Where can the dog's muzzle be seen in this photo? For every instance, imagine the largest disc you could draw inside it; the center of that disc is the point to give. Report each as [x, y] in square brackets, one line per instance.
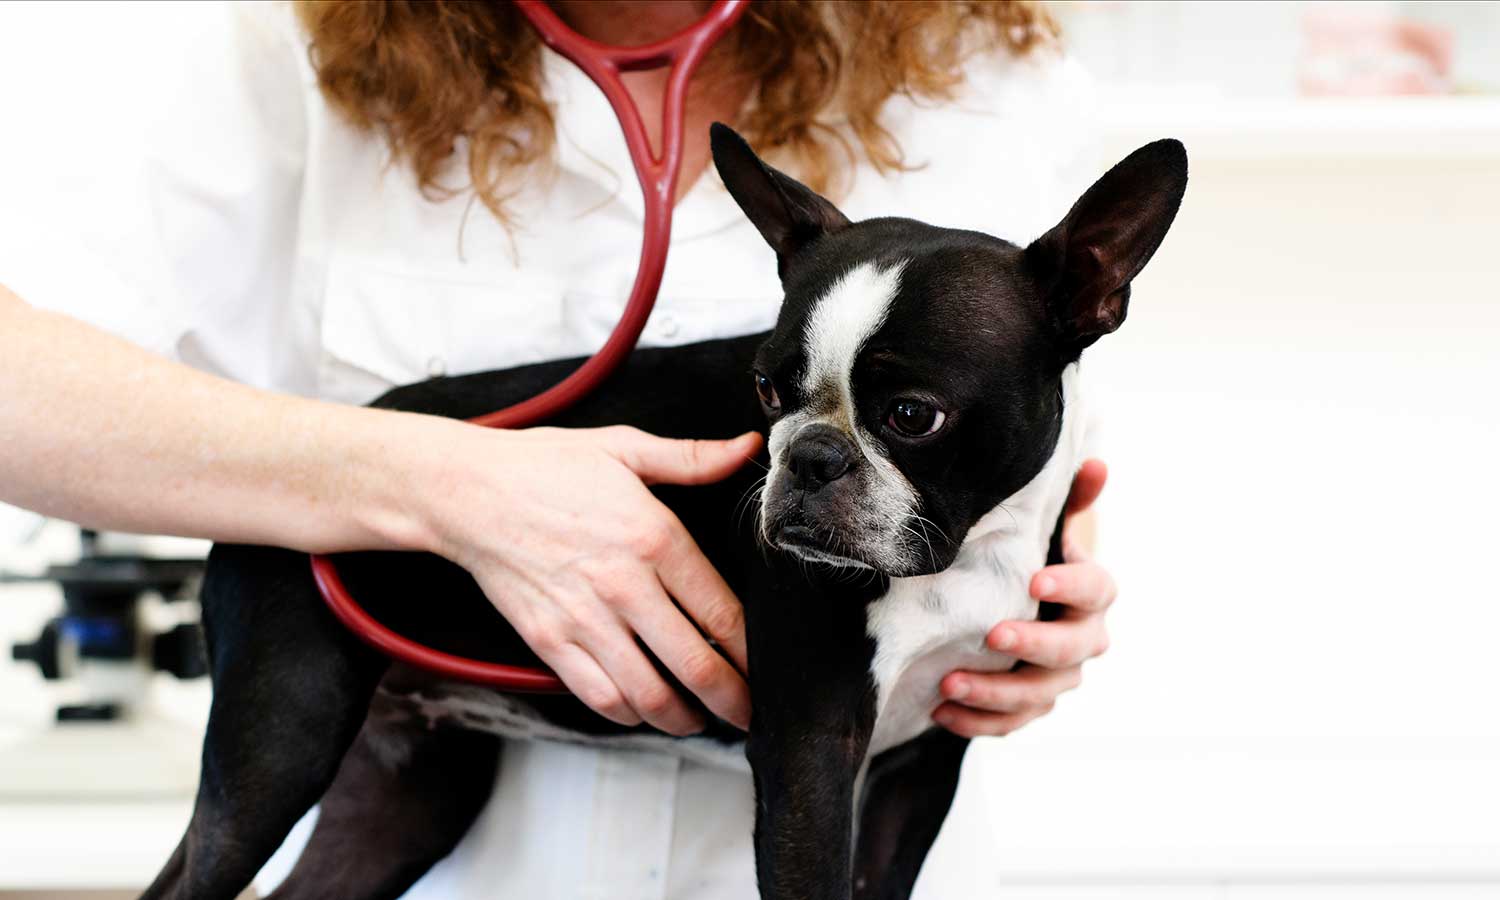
[816, 490]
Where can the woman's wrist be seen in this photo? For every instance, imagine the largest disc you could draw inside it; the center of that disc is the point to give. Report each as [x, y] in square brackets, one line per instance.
[405, 471]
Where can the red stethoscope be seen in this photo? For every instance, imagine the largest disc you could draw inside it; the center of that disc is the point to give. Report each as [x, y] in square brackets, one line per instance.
[603, 64]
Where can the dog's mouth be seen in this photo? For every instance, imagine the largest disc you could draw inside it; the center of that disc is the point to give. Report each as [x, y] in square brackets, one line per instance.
[803, 541]
[838, 525]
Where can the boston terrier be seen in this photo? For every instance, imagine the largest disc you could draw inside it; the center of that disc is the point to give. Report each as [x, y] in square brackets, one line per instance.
[921, 396]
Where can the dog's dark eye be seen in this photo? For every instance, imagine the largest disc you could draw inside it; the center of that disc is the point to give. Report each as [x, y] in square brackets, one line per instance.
[915, 418]
[767, 392]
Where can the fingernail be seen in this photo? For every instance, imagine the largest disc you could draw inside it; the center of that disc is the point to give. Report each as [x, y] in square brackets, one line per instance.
[943, 717]
[1043, 586]
[1005, 639]
[958, 690]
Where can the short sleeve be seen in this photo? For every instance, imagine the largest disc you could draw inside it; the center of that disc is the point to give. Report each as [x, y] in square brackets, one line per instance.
[223, 173]
[194, 255]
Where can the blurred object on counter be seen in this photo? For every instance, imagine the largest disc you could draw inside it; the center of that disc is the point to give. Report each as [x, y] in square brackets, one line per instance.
[1474, 29]
[102, 623]
[1370, 50]
[1233, 48]
[1284, 49]
[127, 614]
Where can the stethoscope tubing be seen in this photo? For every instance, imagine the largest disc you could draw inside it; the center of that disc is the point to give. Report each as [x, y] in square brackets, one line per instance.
[657, 174]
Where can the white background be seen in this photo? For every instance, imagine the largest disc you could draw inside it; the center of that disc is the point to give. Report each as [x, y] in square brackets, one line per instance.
[1302, 435]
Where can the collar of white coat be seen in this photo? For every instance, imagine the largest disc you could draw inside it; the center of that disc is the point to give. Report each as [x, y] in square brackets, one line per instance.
[591, 145]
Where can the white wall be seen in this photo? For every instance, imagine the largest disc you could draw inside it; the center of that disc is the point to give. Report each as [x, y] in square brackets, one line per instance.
[1302, 436]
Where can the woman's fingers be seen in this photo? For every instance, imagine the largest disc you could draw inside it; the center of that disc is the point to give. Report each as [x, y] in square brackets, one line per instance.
[591, 561]
[1024, 688]
[1084, 586]
[682, 649]
[634, 597]
[683, 569]
[647, 692]
[597, 624]
[972, 723]
[1053, 645]
[554, 632]
[1087, 485]
[701, 591]
[1051, 653]
[591, 649]
[588, 681]
[1081, 524]
[671, 461]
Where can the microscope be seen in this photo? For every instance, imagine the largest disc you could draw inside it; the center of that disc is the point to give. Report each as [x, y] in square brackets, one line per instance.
[127, 615]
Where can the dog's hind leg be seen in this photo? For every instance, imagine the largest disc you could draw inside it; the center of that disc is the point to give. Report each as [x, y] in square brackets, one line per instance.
[291, 689]
[907, 793]
[404, 796]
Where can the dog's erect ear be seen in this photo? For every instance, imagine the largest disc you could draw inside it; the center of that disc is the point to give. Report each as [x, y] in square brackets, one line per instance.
[788, 214]
[1087, 261]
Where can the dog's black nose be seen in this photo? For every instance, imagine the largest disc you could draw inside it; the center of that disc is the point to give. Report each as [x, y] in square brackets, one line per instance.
[818, 456]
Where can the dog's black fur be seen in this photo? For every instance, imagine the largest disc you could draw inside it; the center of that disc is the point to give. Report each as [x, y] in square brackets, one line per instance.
[989, 326]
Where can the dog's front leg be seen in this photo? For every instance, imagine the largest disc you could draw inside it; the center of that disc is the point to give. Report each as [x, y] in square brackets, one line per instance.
[813, 716]
[804, 787]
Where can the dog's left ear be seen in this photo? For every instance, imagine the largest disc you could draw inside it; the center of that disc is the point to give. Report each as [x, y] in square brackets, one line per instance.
[788, 214]
[1087, 261]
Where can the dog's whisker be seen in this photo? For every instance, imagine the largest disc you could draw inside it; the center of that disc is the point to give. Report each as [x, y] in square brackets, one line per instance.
[932, 558]
[926, 521]
[750, 497]
[1013, 520]
[922, 535]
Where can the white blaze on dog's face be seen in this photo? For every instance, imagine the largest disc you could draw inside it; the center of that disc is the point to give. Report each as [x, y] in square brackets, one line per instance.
[823, 441]
[913, 381]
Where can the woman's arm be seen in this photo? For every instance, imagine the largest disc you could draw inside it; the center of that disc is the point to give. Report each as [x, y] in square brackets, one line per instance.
[557, 525]
[103, 433]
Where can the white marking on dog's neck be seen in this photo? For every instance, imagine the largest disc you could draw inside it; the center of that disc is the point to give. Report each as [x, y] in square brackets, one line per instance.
[930, 625]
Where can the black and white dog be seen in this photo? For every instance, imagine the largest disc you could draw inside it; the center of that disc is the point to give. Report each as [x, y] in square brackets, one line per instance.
[925, 420]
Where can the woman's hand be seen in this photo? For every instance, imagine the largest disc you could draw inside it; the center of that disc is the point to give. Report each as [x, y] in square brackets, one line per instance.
[559, 529]
[1051, 653]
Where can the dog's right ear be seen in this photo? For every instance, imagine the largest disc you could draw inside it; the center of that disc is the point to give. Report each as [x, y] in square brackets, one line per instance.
[788, 214]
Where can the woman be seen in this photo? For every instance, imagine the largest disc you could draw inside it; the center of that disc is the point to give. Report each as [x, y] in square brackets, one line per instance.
[316, 222]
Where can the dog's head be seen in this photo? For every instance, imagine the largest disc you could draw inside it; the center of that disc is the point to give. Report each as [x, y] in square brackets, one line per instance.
[913, 380]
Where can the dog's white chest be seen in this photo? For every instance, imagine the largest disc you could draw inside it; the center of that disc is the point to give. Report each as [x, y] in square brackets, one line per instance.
[926, 627]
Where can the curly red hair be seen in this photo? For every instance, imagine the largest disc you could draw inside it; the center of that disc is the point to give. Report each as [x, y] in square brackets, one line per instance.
[427, 72]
